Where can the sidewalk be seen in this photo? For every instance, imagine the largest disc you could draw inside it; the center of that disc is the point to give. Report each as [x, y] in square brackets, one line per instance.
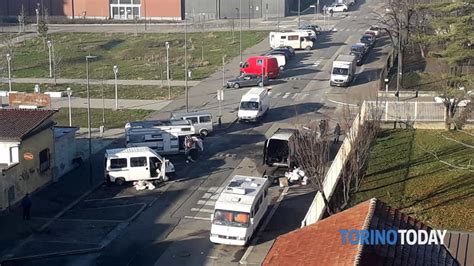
[54, 198]
[128, 82]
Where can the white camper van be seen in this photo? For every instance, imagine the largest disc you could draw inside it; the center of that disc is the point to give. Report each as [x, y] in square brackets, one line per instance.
[297, 40]
[343, 70]
[239, 209]
[254, 104]
[163, 136]
[132, 164]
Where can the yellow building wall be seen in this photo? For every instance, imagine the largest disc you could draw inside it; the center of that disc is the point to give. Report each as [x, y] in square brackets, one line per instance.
[25, 177]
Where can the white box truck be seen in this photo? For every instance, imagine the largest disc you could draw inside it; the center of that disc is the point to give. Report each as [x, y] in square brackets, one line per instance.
[133, 164]
[253, 105]
[239, 209]
[297, 40]
[343, 70]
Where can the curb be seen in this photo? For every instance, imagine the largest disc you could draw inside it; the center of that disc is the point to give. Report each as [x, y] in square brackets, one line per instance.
[65, 253]
[42, 228]
[342, 103]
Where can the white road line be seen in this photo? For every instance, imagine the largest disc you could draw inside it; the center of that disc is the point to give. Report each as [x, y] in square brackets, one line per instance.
[212, 189]
[348, 29]
[206, 195]
[198, 218]
[206, 202]
[302, 96]
[270, 93]
[243, 260]
[276, 95]
[286, 95]
[215, 197]
[202, 210]
[294, 96]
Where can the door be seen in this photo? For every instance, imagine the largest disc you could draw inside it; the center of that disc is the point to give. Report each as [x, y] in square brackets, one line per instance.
[265, 152]
[155, 166]
[139, 169]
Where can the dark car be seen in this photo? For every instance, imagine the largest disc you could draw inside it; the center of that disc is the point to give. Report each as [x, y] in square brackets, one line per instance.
[246, 80]
[279, 52]
[358, 50]
[313, 27]
[288, 48]
[368, 39]
[287, 52]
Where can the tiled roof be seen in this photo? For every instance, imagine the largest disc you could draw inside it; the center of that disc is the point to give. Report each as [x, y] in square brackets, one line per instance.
[15, 124]
[321, 243]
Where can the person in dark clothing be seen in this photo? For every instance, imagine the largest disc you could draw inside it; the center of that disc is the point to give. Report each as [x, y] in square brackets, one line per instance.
[26, 204]
[337, 133]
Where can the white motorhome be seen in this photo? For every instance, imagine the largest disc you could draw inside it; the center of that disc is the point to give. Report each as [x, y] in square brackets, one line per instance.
[132, 164]
[163, 136]
[311, 33]
[254, 104]
[277, 149]
[239, 209]
[297, 40]
[343, 70]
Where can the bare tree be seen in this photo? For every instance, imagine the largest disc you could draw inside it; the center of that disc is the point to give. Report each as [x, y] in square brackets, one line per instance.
[457, 97]
[57, 64]
[311, 153]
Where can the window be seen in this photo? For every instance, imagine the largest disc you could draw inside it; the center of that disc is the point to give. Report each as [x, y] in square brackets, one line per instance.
[259, 62]
[193, 119]
[44, 160]
[231, 218]
[137, 161]
[14, 157]
[136, 2]
[293, 38]
[283, 37]
[186, 129]
[249, 105]
[205, 119]
[114, 1]
[118, 163]
[125, 1]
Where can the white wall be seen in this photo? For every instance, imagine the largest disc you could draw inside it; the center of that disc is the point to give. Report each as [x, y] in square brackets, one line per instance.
[65, 151]
[9, 154]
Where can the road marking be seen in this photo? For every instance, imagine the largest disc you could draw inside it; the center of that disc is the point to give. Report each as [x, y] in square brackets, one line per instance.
[198, 218]
[207, 202]
[202, 210]
[243, 260]
[212, 189]
[348, 29]
[215, 197]
[302, 96]
[294, 96]
[276, 95]
[206, 195]
[286, 95]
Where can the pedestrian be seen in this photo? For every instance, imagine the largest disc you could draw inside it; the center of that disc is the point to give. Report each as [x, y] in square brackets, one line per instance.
[189, 145]
[331, 12]
[323, 127]
[26, 204]
[337, 133]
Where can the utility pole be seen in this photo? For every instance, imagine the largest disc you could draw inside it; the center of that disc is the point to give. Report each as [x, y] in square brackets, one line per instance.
[299, 15]
[240, 18]
[278, 15]
[249, 13]
[186, 62]
[400, 59]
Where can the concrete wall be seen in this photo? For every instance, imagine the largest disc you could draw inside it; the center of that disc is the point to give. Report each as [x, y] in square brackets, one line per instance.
[25, 177]
[64, 151]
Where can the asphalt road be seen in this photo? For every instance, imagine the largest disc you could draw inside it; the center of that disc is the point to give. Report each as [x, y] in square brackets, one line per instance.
[300, 96]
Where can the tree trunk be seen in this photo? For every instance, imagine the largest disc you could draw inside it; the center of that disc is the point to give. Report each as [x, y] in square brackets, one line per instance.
[326, 202]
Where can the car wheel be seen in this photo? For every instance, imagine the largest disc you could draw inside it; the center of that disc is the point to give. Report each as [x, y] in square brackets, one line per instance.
[120, 181]
[308, 48]
[282, 68]
[236, 86]
[260, 84]
[204, 133]
[344, 10]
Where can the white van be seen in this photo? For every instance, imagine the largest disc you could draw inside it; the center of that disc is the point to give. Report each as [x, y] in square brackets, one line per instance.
[277, 149]
[297, 40]
[202, 121]
[239, 209]
[254, 104]
[280, 59]
[132, 164]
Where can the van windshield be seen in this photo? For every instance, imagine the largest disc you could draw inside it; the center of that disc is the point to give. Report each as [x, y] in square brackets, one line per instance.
[231, 218]
[340, 71]
[249, 106]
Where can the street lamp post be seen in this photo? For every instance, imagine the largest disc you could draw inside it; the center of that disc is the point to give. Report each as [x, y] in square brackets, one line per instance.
[167, 45]
[69, 93]
[240, 18]
[186, 62]
[223, 71]
[278, 15]
[9, 59]
[37, 19]
[89, 57]
[299, 13]
[50, 45]
[317, 10]
[314, 14]
[116, 87]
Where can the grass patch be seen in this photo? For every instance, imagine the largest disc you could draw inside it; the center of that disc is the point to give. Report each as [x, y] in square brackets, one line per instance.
[141, 56]
[124, 92]
[422, 81]
[406, 177]
[113, 119]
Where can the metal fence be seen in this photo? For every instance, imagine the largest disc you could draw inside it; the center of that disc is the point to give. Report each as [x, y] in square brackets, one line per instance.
[412, 111]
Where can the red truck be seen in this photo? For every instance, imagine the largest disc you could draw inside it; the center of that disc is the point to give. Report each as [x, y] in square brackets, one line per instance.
[253, 65]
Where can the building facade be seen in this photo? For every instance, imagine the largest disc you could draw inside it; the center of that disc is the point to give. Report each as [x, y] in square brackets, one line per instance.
[96, 9]
[26, 153]
[196, 10]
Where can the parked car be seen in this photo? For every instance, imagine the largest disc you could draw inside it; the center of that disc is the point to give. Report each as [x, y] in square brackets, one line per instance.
[313, 27]
[369, 32]
[359, 51]
[279, 52]
[376, 30]
[247, 80]
[368, 39]
[289, 48]
[337, 8]
[287, 52]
